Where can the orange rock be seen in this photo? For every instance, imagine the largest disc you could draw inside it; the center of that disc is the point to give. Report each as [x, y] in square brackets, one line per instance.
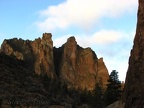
[38, 53]
[73, 65]
[80, 67]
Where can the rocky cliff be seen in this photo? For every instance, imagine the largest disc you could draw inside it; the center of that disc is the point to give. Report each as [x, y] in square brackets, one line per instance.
[134, 85]
[71, 64]
[80, 67]
[37, 53]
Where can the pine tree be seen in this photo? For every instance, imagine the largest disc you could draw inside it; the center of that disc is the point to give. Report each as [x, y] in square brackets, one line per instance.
[97, 101]
[113, 91]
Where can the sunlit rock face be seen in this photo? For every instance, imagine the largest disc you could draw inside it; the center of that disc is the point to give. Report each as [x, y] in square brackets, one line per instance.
[134, 85]
[80, 67]
[43, 52]
[77, 67]
[103, 75]
[38, 53]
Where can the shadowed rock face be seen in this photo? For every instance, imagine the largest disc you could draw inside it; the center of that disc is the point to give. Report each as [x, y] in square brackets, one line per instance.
[37, 53]
[73, 65]
[18, 83]
[134, 86]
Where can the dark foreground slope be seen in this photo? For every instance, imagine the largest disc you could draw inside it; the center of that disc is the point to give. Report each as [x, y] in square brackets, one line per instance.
[18, 86]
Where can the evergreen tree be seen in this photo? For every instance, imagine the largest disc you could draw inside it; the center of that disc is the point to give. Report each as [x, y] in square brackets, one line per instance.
[113, 91]
[97, 99]
[84, 96]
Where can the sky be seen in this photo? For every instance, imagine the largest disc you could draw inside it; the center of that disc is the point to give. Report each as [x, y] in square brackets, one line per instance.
[107, 26]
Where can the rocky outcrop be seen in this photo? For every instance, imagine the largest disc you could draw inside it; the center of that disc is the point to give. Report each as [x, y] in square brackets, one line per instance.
[80, 67]
[73, 65]
[103, 75]
[37, 53]
[134, 85]
[43, 52]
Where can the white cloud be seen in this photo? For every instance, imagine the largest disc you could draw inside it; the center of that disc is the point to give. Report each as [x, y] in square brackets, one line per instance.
[82, 13]
[106, 36]
[102, 37]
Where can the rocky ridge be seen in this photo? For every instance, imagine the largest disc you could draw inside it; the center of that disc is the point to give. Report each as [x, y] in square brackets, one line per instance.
[37, 53]
[73, 65]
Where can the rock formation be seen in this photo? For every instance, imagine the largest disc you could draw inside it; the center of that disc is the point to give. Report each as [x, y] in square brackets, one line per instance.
[79, 67]
[37, 53]
[73, 65]
[134, 85]
[102, 76]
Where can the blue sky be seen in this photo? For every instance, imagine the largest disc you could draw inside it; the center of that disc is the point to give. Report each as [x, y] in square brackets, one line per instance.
[107, 26]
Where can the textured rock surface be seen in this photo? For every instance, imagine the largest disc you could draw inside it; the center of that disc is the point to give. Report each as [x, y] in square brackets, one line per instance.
[134, 86]
[43, 52]
[102, 72]
[75, 66]
[80, 68]
[37, 53]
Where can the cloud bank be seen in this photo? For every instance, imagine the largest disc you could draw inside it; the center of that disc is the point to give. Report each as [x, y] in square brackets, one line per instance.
[82, 13]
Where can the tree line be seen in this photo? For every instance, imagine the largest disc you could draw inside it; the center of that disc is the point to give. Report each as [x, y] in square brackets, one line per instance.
[97, 98]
